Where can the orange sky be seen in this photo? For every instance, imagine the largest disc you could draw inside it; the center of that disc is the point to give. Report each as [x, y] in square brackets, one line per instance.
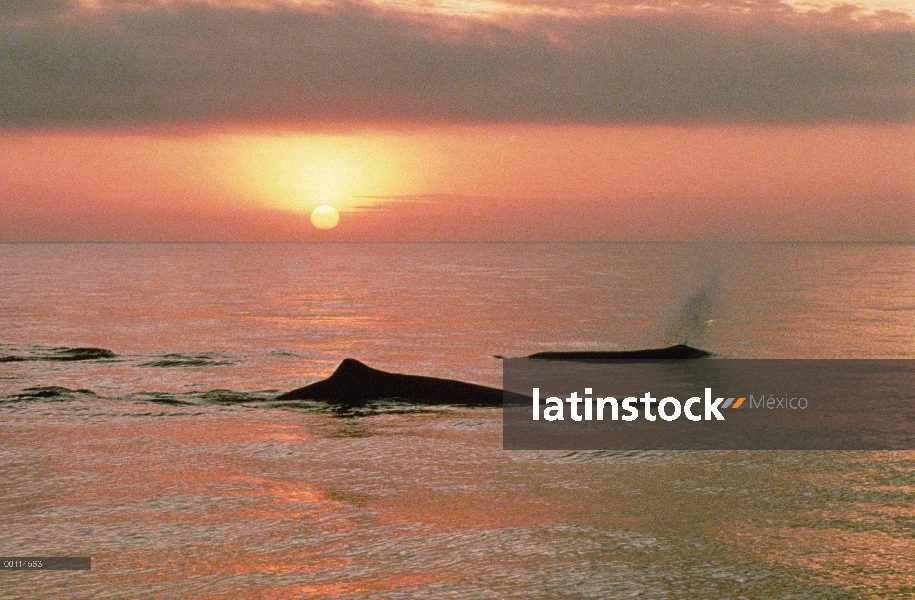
[507, 120]
[512, 182]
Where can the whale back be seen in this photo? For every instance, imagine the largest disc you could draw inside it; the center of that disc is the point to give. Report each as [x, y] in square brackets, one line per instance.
[677, 352]
[354, 383]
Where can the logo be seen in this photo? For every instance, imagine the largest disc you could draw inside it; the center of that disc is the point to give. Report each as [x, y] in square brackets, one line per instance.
[649, 408]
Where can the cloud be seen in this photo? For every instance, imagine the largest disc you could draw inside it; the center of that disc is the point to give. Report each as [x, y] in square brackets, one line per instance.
[139, 63]
[489, 219]
[12, 10]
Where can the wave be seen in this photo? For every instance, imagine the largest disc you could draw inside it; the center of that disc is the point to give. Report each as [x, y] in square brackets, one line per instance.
[51, 393]
[204, 398]
[54, 393]
[217, 397]
[62, 354]
[283, 354]
[231, 397]
[209, 359]
[160, 398]
[10, 354]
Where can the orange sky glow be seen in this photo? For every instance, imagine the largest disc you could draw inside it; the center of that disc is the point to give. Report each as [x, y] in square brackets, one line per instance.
[511, 120]
[512, 182]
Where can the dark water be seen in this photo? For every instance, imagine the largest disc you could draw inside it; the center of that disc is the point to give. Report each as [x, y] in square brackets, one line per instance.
[160, 453]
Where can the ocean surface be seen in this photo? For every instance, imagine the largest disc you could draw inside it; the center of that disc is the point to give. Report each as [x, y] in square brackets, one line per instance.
[137, 424]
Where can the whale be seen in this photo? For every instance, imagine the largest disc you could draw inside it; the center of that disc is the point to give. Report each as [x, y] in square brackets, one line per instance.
[676, 352]
[356, 384]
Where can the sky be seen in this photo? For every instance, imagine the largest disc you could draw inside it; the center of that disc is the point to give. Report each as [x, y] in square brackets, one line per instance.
[451, 120]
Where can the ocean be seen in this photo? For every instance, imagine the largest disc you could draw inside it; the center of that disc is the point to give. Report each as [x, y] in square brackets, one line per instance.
[162, 456]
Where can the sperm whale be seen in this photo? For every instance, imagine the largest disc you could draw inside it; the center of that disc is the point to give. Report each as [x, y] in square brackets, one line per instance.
[355, 384]
[677, 352]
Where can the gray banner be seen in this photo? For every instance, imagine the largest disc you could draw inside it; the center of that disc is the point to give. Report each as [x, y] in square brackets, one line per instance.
[725, 404]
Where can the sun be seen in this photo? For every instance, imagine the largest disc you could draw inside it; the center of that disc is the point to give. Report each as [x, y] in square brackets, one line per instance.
[325, 217]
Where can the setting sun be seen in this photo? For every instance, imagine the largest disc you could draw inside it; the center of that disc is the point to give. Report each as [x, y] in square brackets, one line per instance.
[325, 217]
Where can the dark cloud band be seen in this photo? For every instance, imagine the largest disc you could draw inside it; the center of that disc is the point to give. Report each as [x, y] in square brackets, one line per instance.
[194, 62]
